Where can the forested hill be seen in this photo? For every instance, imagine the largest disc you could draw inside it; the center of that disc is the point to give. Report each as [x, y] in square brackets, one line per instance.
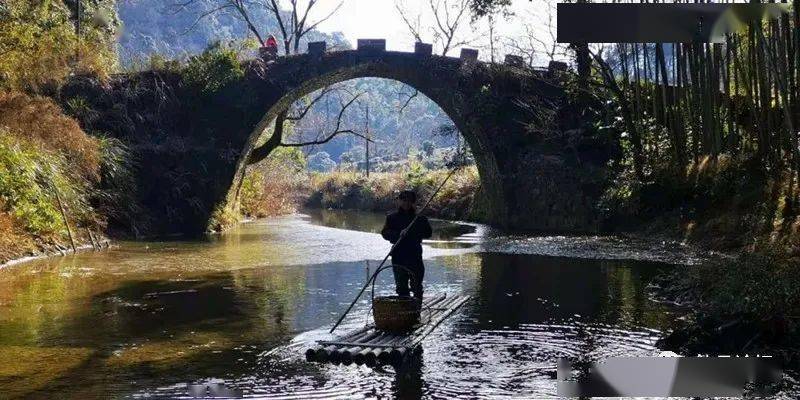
[402, 123]
[163, 27]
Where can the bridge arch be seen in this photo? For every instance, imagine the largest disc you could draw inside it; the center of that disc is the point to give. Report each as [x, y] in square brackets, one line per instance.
[540, 167]
[454, 86]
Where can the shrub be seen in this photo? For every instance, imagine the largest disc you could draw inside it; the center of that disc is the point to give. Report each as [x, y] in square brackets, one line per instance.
[42, 123]
[39, 46]
[352, 190]
[213, 69]
[44, 152]
[13, 239]
[275, 186]
[24, 176]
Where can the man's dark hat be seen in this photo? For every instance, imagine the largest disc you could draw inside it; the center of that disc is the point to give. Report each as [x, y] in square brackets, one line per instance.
[407, 195]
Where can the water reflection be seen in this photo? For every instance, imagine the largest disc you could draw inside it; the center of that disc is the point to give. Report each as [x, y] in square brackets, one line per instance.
[443, 231]
[145, 319]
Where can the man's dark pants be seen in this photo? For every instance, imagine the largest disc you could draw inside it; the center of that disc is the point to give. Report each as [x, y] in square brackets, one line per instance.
[409, 274]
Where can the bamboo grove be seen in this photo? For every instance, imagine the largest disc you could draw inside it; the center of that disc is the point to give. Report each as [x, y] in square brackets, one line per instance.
[680, 102]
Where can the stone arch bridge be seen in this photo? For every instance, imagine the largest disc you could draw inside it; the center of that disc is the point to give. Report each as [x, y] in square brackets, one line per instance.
[537, 172]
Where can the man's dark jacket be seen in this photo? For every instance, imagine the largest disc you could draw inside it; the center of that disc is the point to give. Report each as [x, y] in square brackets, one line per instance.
[409, 251]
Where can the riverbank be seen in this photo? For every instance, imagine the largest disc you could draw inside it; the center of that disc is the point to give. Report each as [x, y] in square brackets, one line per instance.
[55, 192]
[355, 191]
[747, 301]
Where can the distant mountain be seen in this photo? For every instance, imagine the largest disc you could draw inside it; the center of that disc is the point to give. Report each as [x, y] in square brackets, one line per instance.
[161, 27]
[396, 133]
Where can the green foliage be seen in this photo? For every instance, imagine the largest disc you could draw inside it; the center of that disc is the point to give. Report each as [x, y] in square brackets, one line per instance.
[116, 194]
[291, 157]
[275, 185]
[417, 176]
[482, 8]
[252, 190]
[212, 70]
[39, 47]
[44, 153]
[25, 174]
[158, 62]
[758, 285]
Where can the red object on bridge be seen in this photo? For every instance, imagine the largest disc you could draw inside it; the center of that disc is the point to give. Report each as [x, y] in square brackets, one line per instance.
[271, 42]
[269, 51]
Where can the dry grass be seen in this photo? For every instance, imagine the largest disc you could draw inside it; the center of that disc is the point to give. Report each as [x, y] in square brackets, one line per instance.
[276, 186]
[43, 152]
[13, 239]
[353, 190]
[40, 121]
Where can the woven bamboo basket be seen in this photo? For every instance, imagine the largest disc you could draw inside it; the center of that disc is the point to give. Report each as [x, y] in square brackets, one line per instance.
[395, 313]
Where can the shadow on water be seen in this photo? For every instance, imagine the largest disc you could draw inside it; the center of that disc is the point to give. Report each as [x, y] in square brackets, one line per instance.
[518, 289]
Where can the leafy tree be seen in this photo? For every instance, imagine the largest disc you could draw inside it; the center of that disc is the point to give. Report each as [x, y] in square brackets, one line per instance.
[428, 147]
[482, 8]
[321, 162]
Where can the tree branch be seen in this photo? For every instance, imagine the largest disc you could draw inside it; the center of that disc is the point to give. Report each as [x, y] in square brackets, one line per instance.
[260, 153]
[323, 92]
[410, 97]
[327, 139]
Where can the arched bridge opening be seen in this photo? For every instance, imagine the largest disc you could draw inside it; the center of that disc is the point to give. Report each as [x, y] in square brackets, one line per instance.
[490, 200]
[194, 147]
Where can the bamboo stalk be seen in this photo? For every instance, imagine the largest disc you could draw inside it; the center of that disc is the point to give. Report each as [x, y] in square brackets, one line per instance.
[64, 216]
[92, 240]
[367, 355]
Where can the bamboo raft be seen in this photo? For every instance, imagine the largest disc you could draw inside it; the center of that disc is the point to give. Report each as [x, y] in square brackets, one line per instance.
[373, 347]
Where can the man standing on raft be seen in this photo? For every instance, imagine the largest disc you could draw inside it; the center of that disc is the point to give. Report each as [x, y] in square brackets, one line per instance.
[407, 255]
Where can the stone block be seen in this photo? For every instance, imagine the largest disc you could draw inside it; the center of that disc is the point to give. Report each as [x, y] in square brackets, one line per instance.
[372, 45]
[317, 48]
[423, 49]
[469, 55]
[557, 66]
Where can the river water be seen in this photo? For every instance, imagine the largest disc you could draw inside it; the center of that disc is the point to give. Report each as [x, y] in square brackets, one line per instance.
[145, 319]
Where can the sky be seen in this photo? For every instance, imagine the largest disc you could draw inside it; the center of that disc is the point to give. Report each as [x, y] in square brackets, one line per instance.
[379, 19]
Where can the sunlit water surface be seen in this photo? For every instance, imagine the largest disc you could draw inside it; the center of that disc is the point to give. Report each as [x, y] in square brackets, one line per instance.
[145, 319]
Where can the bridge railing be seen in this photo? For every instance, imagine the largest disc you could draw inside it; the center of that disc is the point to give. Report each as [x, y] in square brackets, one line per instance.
[467, 55]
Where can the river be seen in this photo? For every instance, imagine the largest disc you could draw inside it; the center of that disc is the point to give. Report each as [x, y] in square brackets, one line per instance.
[144, 319]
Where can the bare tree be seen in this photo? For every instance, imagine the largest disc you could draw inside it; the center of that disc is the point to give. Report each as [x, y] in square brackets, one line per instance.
[239, 8]
[294, 24]
[298, 111]
[448, 21]
[531, 44]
